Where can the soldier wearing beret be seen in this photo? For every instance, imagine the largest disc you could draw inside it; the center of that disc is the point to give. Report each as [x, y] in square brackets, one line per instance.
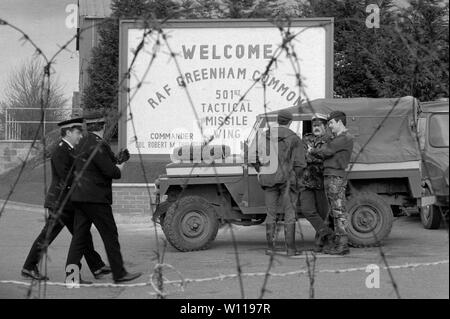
[62, 159]
[336, 154]
[96, 165]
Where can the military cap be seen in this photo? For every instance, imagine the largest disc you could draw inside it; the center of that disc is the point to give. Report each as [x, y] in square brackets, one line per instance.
[284, 117]
[71, 123]
[94, 116]
[319, 117]
[335, 114]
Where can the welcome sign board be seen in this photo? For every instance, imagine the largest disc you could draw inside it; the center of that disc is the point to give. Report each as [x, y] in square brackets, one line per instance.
[203, 80]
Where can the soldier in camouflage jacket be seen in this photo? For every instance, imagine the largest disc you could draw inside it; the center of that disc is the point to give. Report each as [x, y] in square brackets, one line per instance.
[312, 198]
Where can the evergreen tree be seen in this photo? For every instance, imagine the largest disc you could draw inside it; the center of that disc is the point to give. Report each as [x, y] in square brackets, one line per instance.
[101, 92]
[353, 43]
[419, 45]
[206, 9]
[407, 55]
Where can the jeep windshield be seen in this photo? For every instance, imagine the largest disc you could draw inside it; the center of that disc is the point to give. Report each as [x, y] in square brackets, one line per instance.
[438, 133]
[254, 130]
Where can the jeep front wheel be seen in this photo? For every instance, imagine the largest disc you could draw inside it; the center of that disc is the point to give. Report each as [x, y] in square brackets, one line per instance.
[430, 215]
[370, 219]
[190, 223]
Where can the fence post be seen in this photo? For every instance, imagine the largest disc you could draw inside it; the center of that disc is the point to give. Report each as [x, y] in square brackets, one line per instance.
[7, 125]
[43, 125]
[15, 125]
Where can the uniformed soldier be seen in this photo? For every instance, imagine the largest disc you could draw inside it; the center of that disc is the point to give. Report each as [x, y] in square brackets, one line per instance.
[97, 166]
[313, 201]
[281, 187]
[62, 159]
[336, 154]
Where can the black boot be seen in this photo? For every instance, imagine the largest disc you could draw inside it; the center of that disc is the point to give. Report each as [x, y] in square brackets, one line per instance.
[127, 277]
[319, 243]
[99, 273]
[33, 274]
[324, 238]
[289, 235]
[270, 237]
[340, 248]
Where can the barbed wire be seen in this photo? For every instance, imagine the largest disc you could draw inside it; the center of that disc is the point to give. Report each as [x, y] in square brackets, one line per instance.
[216, 175]
[418, 144]
[273, 60]
[158, 287]
[311, 273]
[184, 281]
[46, 68]
[65, 200]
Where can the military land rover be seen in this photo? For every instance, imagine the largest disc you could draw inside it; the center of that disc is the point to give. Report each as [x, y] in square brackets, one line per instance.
[400, 163]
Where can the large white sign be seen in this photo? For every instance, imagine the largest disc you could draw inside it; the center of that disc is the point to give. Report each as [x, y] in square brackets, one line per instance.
[192, 89]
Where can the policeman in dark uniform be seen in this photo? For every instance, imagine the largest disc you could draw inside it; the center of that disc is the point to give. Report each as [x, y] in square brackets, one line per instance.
[97, 166]
[62, 160]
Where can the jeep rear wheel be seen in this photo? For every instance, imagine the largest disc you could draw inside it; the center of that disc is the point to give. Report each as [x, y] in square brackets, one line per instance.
[370, 219]
[190, 223]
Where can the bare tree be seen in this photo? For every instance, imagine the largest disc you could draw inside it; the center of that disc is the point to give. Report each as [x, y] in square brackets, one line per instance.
[28, 87]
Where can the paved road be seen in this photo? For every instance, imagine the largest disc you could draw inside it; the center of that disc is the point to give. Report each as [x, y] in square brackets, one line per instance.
[408, 243]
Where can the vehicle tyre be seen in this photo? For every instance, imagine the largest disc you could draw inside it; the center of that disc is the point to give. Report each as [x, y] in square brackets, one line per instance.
[370, 219]
[430, 215]
[190, 223]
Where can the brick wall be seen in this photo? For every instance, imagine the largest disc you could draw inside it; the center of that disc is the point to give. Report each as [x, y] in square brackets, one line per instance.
[132, 199]
[12, 154]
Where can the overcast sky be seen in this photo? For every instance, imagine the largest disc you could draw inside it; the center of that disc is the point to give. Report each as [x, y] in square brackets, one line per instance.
[44, 22]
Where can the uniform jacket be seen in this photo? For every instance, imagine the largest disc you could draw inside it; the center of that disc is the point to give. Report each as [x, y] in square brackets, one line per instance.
[336, 154]
[94, 185]
[290, 154]
[313, 174]
[61, 163]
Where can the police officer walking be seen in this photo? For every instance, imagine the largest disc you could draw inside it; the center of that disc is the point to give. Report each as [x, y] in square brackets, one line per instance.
[97, 166]
[336, 154]
[281, 186]
[313, 201]
[62, 159]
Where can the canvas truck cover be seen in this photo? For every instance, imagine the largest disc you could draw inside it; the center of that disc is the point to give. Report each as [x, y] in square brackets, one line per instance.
[393, 142]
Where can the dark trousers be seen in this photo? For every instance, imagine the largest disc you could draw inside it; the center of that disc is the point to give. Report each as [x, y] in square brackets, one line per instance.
[102, 217]
[51, 230]
[280, 199]
[314, 207]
